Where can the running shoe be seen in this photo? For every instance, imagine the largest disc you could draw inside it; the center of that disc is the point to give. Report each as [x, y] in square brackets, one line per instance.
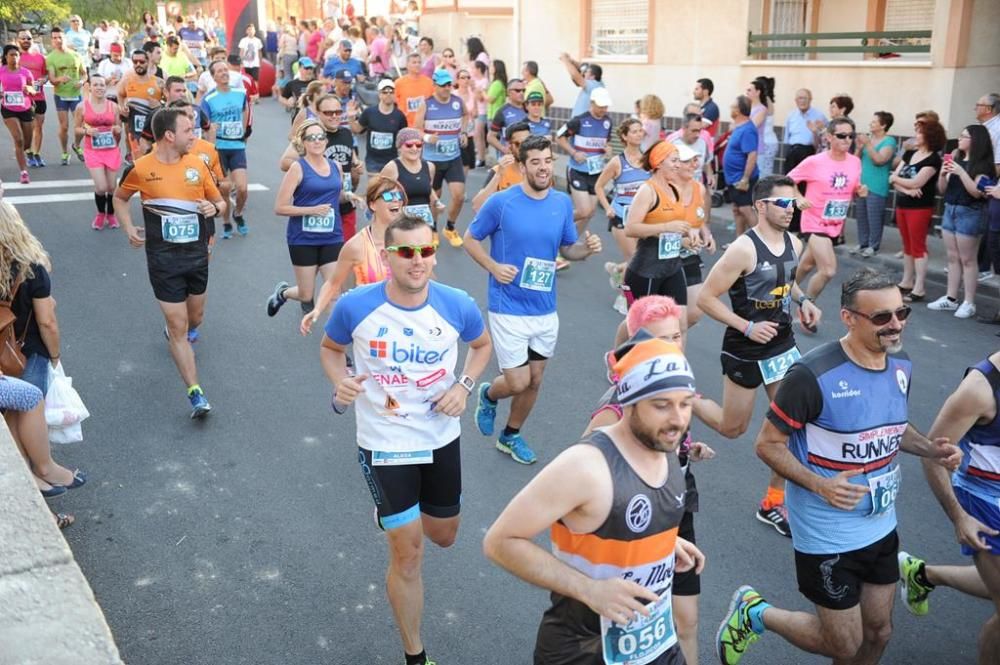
[943, 304]
[227, 231]
[868, 252]
[193, 336]
[100, 219]
[31, 160]
[241, 225]
[913, 592]
[79, 152]
[453, 238]
[515, 446]
[39, 162]
[984, 276]
[965, 311]
[486, 411]
[199, 404]
[65, 159]
[277, 298]
[112, 221]
[609, 366]
[776, 516]
[856, 249]
[25, 178]
[736, 632]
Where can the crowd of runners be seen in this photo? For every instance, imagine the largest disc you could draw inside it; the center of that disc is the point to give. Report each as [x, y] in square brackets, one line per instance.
[364, 194]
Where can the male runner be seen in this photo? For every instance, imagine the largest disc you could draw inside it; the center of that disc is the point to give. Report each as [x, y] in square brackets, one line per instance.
[114, 68]
[179, 198]
[139, 95]
[412, 88]
[382, 122]
[703, 89]
[228, 111]
[67, 74]
[534, 104]
[834, 429]
[507, 172]
[758, 271]
[591, 135]
[440, 119]
[404, 333]
[511, 112]
[527, 227]
[35, 63]
[195, 39]
[78, 39]
[613, 504]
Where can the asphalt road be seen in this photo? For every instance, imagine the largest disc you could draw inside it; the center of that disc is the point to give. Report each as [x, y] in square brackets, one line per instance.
[248, 537]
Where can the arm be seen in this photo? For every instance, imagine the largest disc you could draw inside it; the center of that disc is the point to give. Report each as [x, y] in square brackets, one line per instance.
[123, 214]
[79, 129]
[940, 449]
[452, 402]
[751, 164]
[563, 141]
[734, 262]
[45, 315]
[288, 157]
[332, 287]
[916, 182]
[953, 170]
[878, 157]
[573, 68]
[283, 205]
[489, 188]
[609, 173]
[356, 126]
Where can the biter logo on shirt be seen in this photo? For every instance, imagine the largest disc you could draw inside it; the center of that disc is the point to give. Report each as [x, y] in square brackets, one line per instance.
[404, 353]
[838, 180]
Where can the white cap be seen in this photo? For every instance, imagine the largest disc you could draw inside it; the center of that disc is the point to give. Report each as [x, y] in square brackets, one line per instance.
[600, 96]
[386, 83]
[685, 153]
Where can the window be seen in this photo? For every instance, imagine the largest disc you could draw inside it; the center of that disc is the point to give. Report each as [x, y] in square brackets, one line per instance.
[788, 17]
[619, 30]
[909, 15]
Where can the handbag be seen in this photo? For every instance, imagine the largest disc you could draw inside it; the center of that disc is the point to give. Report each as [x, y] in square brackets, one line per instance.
[12, 360]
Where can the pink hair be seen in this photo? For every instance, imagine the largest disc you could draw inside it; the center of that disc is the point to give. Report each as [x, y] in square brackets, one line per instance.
[649, 310]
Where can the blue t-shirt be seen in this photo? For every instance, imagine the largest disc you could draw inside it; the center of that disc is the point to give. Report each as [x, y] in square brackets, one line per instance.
[582, 104]
[742, 142]
[841, 416]
[526, 233]
[227, 109]
[334, 65]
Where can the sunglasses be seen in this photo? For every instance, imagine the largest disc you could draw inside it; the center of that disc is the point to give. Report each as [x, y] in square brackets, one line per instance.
[783, 202]
[882, 318]
[392, 195]
[844, 135]
[314, 138]
[409, 251]
[413, 144]
[333, 113]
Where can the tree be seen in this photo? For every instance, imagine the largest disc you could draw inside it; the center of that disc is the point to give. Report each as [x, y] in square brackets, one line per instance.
[15, 13]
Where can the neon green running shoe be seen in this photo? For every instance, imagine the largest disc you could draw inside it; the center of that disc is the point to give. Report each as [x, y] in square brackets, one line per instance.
[913, 592]
[736, 632]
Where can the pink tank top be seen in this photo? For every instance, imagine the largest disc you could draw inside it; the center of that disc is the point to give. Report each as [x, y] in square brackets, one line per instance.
[101, 121]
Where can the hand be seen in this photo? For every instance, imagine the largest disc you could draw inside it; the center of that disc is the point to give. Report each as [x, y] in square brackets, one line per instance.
[55, 362]
[863, 191]
[618, 600]
[321, 210]
[969, 531]
[688, 556]
[678, 226]
[592, 241]
[700, 452]
[136, 235]
[802, 203]
[305, 327]
[563, 57]
[463, 140]
[763, 332]
[504, 273]
[993, 191]
[710, 245]
[348, 390]
[579, 156]
[742, 184]
[207, 208]
[840, 492]
[431, 139]
[945, 453]
[809, 313]
[863, 139]
[452, 402]
[506, 160]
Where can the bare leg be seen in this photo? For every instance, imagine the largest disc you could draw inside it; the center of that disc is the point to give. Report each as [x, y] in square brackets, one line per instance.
[176, 316]
[908, 272]
[305, 284]
[31, 432]
[920, 275]
[524, 401]
[226, 189]
[36, 137]
[961, 578]
[968, 251]
[686, 621]
[833, 633]
[239, 178]
[510, 383]
[457, 190]
[583, 208]
[404, 583]
[17, 139]
[732, 419]
[821, 248]
[63, 129]
[989, 638]
[876, 618]
[954, 263]
[625, 244]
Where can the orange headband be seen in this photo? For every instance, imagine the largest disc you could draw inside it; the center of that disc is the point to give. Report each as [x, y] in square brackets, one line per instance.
[661, 151]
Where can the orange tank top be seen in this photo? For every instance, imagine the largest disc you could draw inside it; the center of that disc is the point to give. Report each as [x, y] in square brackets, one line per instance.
[666, 209]
[508, 177]
[694, 212]
[371, 269]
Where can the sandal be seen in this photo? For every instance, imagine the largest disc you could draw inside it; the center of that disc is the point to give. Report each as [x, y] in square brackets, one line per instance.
[63, 520]
[914, 297]
[904, 289]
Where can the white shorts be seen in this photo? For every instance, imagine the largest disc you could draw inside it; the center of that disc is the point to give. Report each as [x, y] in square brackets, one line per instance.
[514, 334]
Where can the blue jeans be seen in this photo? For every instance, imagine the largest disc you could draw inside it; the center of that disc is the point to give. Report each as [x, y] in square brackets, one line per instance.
[36, 372]
[870, 213]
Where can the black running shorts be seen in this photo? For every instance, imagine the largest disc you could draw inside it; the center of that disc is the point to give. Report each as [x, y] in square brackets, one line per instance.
[834, 581]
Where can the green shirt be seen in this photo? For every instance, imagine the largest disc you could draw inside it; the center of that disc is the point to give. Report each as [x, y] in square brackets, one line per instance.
[876, 177]
[496, 92]
[66, 63]
[177, 65]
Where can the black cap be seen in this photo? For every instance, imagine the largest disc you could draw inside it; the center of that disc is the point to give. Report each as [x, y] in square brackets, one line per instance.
[233, 59]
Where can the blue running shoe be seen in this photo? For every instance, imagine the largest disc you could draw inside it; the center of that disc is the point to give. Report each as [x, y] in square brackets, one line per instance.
[241, 225]
[31, 160]
[486, 411]
[39, 162]
[227, 231]
[199, 404]
[516, 447]
[193, 336]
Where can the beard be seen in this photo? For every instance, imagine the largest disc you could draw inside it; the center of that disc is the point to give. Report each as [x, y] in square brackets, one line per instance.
[539, 183]
[650, 437]
[887, 346]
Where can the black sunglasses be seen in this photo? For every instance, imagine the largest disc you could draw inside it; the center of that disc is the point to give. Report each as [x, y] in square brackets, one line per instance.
[882, 318]
[843, 135]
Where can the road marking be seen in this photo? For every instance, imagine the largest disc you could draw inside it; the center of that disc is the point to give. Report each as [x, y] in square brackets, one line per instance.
[82, 196]
[49, 184]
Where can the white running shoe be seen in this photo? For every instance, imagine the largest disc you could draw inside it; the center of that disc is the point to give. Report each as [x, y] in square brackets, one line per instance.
[943, 304]
[965, 311]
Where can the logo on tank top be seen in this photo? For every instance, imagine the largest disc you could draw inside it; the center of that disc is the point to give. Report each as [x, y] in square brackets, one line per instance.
[902, 381]
[846, 391]
[838, 180]
[639, 513]
[191, 176]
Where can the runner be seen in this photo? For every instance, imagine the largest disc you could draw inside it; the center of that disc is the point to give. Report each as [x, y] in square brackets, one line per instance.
[67, 73]
[205, 150]
[309, 196]
[534, 104]
[98, 123]
[614, 503]
[139, 95]
[627, 174]
[472, 100]
[821, 433]
[660, 316]
[177, 207]
[591, 148]
[228, 111]
[339, 148]
[408, 406]
[697, 203]
[507, 172]
[195, 39]
[17, 86]
[527, 226]
[412, 89]
[78, 40]
[113, 69]
[34, 62]
[832, 178]
[382, 122]
[174, 90]
[758, 271]
[362, 254]
[440, 119]
[415, 174]
[510, 113]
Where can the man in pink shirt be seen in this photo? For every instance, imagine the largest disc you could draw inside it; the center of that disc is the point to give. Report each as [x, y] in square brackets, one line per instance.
[34, 62]
[378, 54]
[832, 178]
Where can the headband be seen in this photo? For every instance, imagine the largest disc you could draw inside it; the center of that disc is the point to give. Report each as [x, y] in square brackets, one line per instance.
[650, 366]
[660, 151]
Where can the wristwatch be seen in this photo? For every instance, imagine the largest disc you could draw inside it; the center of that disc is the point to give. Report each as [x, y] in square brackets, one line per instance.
[803, 298]
[466, 382]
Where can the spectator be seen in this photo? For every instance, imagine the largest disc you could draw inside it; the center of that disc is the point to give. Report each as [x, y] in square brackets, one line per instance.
[313, 39]
[288, 53]
[840, 107]
[294, 88]
[379, 54]
[529, 73]
[914, 181]
[703, 89]
[761, 94]
[586, 77]
[960, 181]
[651, 116]
[271, 42]
[988, 114]
[449, 62]
[250, 49]
[739, 164]
[105, 37]
[802, 128]
[876, 150]
[343, 61]
[360, 47]
[496, 93]
[428, 58]
[480, 82]
[477, 52]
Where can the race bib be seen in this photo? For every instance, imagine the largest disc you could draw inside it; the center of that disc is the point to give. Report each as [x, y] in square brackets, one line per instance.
[447, 147]
[595, 164]
[883, 490]
[103, 141]
[13, 99]
[231, 129]
[625, 210]
[538, 274]
[348, 184]
[380, 140]
[319, 223]
[774, 369]
[413, 103]
[422, 211]
[382, 458]
[836, 210]
[644, 639]
[180, 228]
[138, 122]
[669, 246]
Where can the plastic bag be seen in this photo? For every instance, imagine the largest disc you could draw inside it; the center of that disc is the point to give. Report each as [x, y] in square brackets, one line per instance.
[64, 410]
